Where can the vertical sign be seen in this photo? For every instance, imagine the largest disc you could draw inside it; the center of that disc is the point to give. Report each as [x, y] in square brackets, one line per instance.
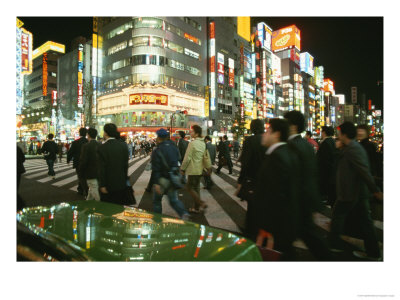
[18, 78]
[212, 64]
[231, 65]
[354, 94]
[207, 102]
[370, 104]
[26, 52]
[221, 70]
[80, 75]
[54, 97]
[44, 74]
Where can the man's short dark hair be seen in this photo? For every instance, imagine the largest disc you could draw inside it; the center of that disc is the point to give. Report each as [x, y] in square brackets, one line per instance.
[82, 131]
[208, 138]
[295, 117]
[364, 127]
[111, 130]
[348, 129]
[182, 134]
[50, 136]
[197, 129]
[257, 126]
[225, 137]
[308, 133]
[92, 132]
[281, 126]
[328, 130]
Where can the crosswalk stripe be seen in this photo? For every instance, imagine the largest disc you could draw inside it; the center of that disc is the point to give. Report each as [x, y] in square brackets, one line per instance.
[74, 188]
[62, 174]
[45, 172]
[136, 165]
[230, 175]
[65, 181]
[140, 185]
[228, 189]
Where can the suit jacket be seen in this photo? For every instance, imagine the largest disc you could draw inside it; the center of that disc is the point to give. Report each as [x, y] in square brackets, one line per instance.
[326, 161]
[252, 156]
[353, 177]
[277, 187]
[196, 158]
[224, 150]
[113, 165]
[182, 147]
[310, 199]
[74, 152]
[89, 160]
[20, 161]
[52, 148]
[212, 150]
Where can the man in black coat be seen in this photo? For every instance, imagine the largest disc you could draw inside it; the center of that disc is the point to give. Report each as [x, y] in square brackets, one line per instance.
[277, 189]
[369, 147]
[251, 159]
[113, 167]
[309, 198]
[182, 145]
[326, 160]
[50, 150]
[74, 153]
[20, 171]
[354, 183]
[88, 165]
[224, 153]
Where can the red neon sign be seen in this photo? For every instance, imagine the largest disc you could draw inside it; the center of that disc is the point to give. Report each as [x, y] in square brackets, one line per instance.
[44, 74]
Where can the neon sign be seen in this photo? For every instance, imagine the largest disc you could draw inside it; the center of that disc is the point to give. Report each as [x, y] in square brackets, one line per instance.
[147, 98]
[44, 74]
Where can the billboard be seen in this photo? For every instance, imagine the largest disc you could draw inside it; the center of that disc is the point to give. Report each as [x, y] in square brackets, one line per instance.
[80, 75]
[231, 65]
[220, 62]
[328, 85]
[212, 64]
[341, 99]
[243, 27]
[264, 33]
[148, 98]
[48, 46]
[307, 63]
[286, 38]
[26, 52]
[44, 75]
[276, 69]
[19, 100]
[319, 76]
[207, 102]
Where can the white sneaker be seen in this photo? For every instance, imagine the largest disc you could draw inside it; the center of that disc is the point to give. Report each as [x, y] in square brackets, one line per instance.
[364, 255]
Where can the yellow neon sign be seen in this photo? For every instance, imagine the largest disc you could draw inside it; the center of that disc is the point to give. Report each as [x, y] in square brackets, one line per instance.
[47, 47]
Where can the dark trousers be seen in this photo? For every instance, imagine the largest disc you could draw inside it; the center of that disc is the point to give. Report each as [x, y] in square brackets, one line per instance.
[340, 211]
[116, 197]
[251, 228]
[207, 180]
[229, 163]
[235, 153]
[50, 164]
[20, 202]
[82, 186]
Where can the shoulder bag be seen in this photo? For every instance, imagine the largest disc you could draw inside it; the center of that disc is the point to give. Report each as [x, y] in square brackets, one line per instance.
[175, 177]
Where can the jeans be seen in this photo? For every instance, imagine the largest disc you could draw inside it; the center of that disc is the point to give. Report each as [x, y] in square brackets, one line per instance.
[93, 192]
[130, 153]
[176, 204]
[340, 211]
[50, 164]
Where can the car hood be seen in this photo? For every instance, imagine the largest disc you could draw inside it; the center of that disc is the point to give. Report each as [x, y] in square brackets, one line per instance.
[108, 232]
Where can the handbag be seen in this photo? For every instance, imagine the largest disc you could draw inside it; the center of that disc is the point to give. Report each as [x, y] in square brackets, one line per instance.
[175, 177]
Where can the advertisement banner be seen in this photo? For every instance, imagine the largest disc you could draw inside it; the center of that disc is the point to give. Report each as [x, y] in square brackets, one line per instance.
[328, 85]
[148, 98]
[54, 97]
[26, 52]
[286, 38]
[243, 27]
[44, 75]
[220, 78]
[231, 64]
[207, 102]
[264, 35]
[80, 75]
[276, 68]
[212, 64]
[18, 73]
[307, 63]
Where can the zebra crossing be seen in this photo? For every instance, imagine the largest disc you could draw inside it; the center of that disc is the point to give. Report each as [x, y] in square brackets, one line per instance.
[224, 211]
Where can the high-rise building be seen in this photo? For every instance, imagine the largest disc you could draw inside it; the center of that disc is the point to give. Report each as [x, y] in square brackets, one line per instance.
[152, 67]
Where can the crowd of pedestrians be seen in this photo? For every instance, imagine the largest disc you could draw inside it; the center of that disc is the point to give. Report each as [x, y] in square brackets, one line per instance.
[284, 177]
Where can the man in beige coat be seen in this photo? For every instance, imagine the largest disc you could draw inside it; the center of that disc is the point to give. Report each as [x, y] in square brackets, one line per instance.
[196, 160]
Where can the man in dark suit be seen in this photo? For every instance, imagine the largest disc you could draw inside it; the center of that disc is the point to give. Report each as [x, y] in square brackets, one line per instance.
[182, 145]
[88, 165]
[277, 189]
[354, 185]
[74, 153]
[224, 153]
[309, 198]
[213, 153]
[252, 156]
[326, 160]
[113, 167]
[50, 150]
[20, 171]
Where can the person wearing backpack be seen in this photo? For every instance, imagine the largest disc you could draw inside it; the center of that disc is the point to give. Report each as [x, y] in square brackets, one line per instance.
[165, 167]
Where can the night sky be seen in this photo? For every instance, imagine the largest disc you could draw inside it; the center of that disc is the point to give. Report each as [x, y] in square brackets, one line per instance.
[349, 48]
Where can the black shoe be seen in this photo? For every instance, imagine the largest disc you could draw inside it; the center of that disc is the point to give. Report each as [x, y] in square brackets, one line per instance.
[148, 190]
[230, 173]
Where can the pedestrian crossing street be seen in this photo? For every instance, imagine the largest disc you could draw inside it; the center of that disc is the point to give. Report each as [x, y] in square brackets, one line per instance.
[224, 210]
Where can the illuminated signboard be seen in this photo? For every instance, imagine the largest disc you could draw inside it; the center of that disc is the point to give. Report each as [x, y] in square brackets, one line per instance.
[147, 98]
[328, 85]
[353, 94]
[307, 63]
[378, 113]
[341, 99]
[48, 46]
[26, 52]
[319, 76]
[191, 38]
[94, 55]
[207, 102]
[286, 38]
[231, 65]
[44, 75]
[80, 75]
[253, 65]
[19, 100]
[220, 61]
[212, 64]
[264, 35]
[243, 27]
[54, 97]
[276, 68]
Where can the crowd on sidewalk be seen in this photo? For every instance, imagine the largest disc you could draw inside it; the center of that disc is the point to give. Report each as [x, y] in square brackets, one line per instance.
[284, 177]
